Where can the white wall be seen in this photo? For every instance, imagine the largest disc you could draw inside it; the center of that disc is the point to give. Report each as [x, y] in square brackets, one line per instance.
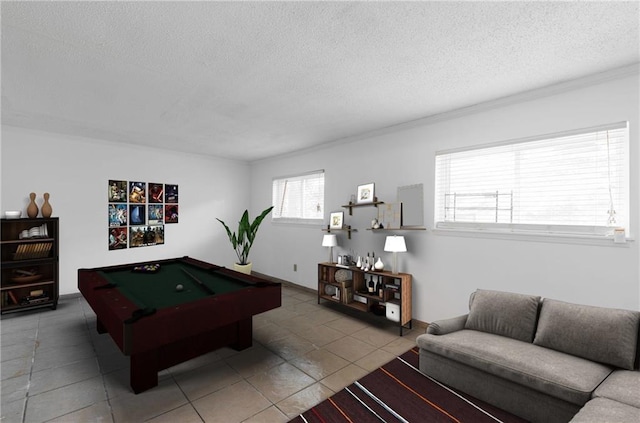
[75, 171]
[447, 269]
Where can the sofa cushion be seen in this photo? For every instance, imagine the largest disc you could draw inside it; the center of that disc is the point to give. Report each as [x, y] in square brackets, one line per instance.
[561, 375]
[601, 334]
[622, 386]
[600, 410]
[503, 313]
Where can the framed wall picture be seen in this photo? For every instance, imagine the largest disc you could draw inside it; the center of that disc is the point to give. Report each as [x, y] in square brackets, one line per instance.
[156, 192]
[336, 221]
[365, 193]
[137, 192]
[117, 191]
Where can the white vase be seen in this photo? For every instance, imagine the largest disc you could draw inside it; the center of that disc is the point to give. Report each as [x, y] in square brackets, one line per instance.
[379, 264]
[242, 268]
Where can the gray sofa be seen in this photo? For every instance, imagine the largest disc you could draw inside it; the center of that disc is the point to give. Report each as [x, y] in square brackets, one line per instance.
[540, 359]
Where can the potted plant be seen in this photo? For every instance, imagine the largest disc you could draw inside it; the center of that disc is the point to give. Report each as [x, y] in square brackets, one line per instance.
[243, 239]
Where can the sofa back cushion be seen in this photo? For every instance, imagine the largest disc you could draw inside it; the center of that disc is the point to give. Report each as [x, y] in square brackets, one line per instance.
[600, 334]
[503, 313]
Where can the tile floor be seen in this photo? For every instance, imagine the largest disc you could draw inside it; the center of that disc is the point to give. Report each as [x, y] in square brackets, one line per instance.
[56, 368]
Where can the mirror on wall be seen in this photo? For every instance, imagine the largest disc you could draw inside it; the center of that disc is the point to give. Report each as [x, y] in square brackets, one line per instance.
[412, 199]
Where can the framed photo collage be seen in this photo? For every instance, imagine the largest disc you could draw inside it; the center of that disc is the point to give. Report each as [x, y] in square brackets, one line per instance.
[138, 212]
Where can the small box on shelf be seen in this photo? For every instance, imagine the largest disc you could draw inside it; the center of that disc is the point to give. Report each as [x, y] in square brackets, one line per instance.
[393, 312]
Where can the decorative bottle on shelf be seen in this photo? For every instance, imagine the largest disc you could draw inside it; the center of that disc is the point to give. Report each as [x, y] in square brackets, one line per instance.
[359, 262]
[379, 287]
[372, 285]
[32, 208]
[46, 208]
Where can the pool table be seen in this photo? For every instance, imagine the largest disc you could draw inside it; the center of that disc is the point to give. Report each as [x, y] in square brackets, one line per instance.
[159, 324]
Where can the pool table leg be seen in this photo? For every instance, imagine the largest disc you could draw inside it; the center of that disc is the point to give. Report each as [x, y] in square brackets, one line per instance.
[245, 334]
[144, 371]
[100, 327]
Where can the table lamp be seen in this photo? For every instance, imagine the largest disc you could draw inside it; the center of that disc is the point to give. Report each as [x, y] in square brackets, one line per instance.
[330, 241]
[395, 244]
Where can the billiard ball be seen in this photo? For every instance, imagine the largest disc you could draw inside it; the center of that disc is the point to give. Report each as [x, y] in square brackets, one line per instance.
[179, 287]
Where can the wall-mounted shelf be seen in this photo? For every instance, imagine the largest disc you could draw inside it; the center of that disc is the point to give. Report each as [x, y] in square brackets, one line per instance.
[350, 206]
[346, 228]
[403, 228]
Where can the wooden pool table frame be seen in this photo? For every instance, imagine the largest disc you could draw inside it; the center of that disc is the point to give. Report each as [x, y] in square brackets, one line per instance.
[176, 334]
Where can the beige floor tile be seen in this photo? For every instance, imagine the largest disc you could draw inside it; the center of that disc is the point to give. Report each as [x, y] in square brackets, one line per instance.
[280, 382]
[20, 347]
[291, 347]
[347, 325]
[344, 377]
[194, 363]
[321, 335]
[148, 404]
[349, 348]
[375, 336]
[13, 411]
[374, 360]
[94, 413]
[288, 301]
[206, 379]
[319, 363]
[305, 307]
[270, 415]
[64, 400]
[281, 313]
[399, 346]
[184, 414]
[57, 377]
[301, 401]
[16, 367]
[299, 325]
[257, 359]
[324, 315]
[232, 404]
[270, 332]
[14, 389]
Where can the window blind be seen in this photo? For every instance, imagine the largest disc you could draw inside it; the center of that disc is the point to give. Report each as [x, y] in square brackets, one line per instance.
[299, 198]
[575, 181]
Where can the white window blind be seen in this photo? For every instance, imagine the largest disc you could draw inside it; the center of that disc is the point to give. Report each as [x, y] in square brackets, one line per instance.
[574, 182]
[299, 198]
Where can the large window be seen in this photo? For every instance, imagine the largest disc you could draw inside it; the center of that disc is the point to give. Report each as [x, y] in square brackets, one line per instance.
[574, 182]
[299, 198]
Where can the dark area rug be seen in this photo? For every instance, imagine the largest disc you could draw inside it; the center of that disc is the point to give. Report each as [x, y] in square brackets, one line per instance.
[398, 392]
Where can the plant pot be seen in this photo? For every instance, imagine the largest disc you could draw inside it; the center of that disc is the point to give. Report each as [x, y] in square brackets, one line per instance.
[242, 268]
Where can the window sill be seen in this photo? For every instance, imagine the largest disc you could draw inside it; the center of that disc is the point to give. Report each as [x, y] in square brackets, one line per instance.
[604, 241]
[299, 222]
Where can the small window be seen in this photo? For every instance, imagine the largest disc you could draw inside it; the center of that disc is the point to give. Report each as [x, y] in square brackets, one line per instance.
[574, 183]
[299, 198]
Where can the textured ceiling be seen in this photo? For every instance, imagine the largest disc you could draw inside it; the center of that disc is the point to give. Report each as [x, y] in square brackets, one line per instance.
[250, 80]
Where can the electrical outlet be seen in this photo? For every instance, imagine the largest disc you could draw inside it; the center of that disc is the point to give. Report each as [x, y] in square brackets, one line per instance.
[295, 267]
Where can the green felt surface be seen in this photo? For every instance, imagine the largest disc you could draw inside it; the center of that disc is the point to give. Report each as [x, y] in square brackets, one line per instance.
[158, 290]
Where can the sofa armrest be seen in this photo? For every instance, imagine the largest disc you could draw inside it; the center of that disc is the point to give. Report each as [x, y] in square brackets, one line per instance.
[442, 327]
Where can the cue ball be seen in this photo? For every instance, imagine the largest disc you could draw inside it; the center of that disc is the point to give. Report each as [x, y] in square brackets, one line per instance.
[179, 287]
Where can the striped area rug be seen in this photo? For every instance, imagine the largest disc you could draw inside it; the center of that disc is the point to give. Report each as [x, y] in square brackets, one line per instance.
[398, 392]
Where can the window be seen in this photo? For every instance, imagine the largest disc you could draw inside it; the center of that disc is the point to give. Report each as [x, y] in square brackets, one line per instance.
[575, 182]
[299, 198]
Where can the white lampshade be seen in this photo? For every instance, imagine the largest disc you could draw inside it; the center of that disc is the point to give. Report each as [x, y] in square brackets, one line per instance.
[329, 240]
[395, 244]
